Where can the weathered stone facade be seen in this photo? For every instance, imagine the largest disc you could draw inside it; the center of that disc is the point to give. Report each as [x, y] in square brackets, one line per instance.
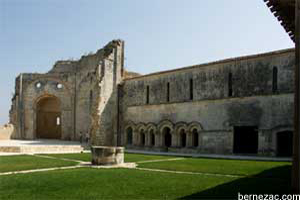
[206, 103]
[86, 92]
[200, 109]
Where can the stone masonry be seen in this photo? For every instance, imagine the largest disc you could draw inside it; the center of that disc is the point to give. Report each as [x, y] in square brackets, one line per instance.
[242, 105]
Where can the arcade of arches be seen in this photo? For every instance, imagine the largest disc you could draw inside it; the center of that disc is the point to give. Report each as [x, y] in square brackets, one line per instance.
[164, 137]
[48, 118]
[245, 138]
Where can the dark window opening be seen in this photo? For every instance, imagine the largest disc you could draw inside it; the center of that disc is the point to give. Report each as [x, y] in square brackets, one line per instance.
[195, 138]
[275, 79]
[167, 137]
[183, 138]
[191, 89]
[285, 144]
[230, 85]
[245, 140]
[147, 95]
[129, 136]
[168, 92]
[143, 138]
[152, 138]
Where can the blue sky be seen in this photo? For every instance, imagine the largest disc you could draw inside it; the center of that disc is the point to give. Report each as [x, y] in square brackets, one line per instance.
[159, 34]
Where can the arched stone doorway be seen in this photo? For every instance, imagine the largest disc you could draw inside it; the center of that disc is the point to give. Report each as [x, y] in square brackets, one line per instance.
[48, 118]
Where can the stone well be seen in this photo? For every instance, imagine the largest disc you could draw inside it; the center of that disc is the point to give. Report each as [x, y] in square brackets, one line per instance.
[107, 155]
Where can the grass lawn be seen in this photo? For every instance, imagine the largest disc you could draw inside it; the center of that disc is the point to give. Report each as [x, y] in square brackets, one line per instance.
[221, 166]
[129, 157]
[27, 162]
[87, 183]
[257, 177]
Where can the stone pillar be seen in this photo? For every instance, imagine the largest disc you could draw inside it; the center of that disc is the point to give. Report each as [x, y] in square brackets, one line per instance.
[296, 153]
[261, 143]
[174, 139]
[147, 139]
[135, 138]
[105, 116]
[189, 139]
[157, 139]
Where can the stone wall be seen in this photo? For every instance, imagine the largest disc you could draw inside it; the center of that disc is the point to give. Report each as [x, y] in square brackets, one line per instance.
[255, 99]
[80, 86]
[7, 132]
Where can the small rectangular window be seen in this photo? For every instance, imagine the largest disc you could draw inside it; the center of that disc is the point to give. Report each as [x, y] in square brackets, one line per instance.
[275, 77]
[147, 95]
[57, 121]
[230, 85]
[191, 89]
[168, 92]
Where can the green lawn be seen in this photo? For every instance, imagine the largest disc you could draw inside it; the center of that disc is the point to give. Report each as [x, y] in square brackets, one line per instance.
[129, 157]
[220, 166]
[256, 177]
[27, 162]
[86, 183]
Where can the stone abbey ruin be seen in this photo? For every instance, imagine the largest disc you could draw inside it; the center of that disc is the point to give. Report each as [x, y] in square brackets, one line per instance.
[241, 105]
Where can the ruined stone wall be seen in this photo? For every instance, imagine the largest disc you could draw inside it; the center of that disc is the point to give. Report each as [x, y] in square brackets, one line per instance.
[254, 101]
[84, 86]
[32, 88]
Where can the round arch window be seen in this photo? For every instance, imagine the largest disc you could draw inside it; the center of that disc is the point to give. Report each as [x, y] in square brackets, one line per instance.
[59, 86]
[38, 85]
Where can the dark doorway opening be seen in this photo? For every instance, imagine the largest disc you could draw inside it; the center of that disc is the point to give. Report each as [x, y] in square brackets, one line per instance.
[195, 138]
[129, 136]
[152, 138]
[183, 138]
[167, 136]
[285, 144]
[245, 140]
[143, 138]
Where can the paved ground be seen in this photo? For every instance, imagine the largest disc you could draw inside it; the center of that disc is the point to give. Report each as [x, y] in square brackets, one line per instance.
[234, 157]
[72, 143]
[36, 142]
[17, 147]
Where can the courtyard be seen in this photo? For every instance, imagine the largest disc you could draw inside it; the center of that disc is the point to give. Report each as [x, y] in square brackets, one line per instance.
[69, 176]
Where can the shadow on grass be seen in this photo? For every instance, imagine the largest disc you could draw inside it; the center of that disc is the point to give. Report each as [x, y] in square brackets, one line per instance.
[273, 181]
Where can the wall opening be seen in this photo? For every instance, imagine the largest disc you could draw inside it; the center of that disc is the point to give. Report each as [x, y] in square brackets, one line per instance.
[245, 140]
[191, 89]
[129, 132]
[182, 138]
[285, 144]
[230, 84]
[91, 101]
[57, 121]
[147, 95]
[195, 138]
[152, 138]
[275, 79]
[48, 118]
[142, 138]
[167, 137]
[168, 92]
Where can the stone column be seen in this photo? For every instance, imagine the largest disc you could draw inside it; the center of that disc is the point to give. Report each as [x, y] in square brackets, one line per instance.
[261, 143]
[189, 139]
[157, 139]
[174, 139]
[147, 139]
